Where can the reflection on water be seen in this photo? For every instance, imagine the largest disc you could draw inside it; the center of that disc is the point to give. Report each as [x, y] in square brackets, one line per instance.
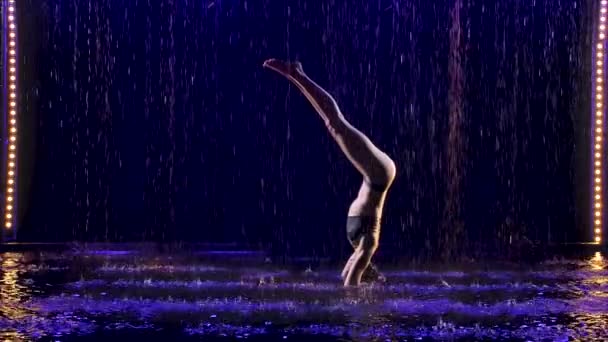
[595, 286]
[92, 293]
[597, 263]
[12, 293]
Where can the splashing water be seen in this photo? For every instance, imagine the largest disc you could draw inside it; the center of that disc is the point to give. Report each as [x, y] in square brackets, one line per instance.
[94, 293]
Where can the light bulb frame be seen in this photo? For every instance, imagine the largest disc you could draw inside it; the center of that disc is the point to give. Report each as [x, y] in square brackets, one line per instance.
[598, 112]
[11, 117]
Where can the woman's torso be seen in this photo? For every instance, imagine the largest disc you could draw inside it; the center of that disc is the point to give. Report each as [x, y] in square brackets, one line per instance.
[369, 202]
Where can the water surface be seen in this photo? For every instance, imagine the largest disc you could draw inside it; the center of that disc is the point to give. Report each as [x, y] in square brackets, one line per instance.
[128, 294]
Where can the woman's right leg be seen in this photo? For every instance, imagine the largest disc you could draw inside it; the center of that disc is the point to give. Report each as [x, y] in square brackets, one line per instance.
[375, 166]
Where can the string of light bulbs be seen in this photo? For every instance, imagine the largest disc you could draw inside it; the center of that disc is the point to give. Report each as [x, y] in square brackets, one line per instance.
[598, 121]
[11, 144]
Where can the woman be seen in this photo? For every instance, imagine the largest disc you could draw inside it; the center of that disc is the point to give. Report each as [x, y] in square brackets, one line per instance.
[378, 170]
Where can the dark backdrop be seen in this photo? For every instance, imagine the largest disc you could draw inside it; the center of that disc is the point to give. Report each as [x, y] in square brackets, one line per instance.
[153, 120]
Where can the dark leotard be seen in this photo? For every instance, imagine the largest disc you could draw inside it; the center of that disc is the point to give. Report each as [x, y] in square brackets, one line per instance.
[359, 226]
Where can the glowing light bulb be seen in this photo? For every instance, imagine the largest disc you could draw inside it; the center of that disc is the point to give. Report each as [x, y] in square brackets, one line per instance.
[597, 188]
[597, 230]
[597, 180]
[598, 96]
[597, 172]
[599, 122]
[11, 164]
[599, 130]
[11, 173]
[597, 239]
[9, 207]
[597, 213]
[10, 181]
[10, 190]
[9, 198]
[7, 224]
[597, 155]
[597, 197]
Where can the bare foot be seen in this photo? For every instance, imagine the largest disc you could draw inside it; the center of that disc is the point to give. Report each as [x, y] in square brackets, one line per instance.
[284, 68]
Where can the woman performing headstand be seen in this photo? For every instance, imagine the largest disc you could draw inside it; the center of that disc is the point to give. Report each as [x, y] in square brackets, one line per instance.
[377, 169]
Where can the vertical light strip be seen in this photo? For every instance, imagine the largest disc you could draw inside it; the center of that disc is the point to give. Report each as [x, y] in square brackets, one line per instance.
[598, 122]
[11, 67]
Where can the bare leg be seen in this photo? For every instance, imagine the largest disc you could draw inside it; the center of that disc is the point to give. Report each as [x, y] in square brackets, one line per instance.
[375, 166]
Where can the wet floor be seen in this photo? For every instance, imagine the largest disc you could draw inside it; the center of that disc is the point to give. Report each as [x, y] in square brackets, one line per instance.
[118, 295]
